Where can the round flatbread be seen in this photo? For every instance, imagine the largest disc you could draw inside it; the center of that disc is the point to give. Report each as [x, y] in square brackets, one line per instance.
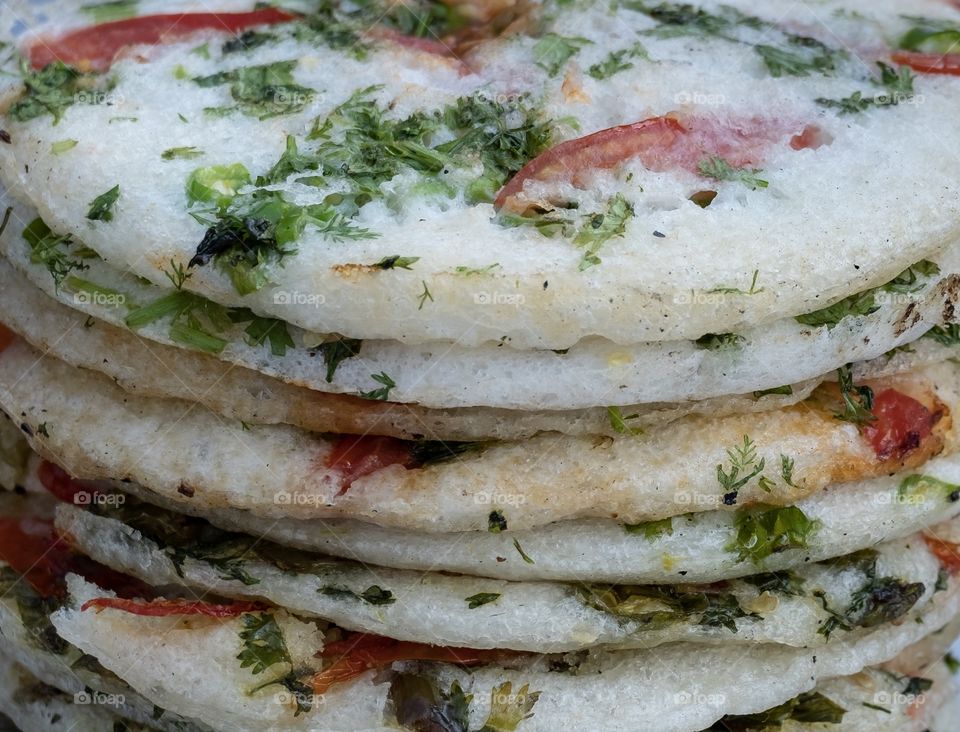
[758, 110]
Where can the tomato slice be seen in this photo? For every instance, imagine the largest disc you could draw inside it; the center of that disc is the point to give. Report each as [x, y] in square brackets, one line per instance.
[7, 337]
[361, 652]
[353, 457]
[96, 47]
[661, 143]
[64, 487]
[946, 552]
[901, 424]
[929, 63]
[34, 551]
[161, 608]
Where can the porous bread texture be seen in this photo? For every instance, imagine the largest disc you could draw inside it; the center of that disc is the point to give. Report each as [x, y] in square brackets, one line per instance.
[701, 548]
[97, 431]
[236, 392]
[527, 616]
[193, 670]
[595, 372]
[891, 214]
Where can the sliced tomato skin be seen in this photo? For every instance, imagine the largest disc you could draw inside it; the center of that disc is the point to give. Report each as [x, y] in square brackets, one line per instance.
[929, 63]
[33, 550]
[901, 424]
[946, 552]
[64, 487]
[161, 608]
[362, 652]
[97, 46]
[603, 149]
[7, 337]
[353, 457]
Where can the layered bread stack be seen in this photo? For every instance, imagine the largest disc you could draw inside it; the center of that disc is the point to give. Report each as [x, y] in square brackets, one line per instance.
[480, 366]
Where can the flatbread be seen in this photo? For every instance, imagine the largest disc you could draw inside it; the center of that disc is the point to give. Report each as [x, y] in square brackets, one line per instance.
[697, 548]
[466, 612]
[889, 215]
[592, 373]
[97, 431]
[599, 693]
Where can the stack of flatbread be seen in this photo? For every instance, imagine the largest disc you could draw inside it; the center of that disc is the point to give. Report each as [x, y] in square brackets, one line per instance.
[495, 366]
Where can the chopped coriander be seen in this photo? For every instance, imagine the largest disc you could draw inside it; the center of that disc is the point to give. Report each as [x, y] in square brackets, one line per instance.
[810, 708]
[177, 274]
[897, 85]
[263, 91]
[263, 643]
[718, 168]
[651, 529]
[552, 52]
[336, 351]
[931, 36]
[744, 467]
[953, 665]
[878, 602]
[785, 390]
[373, 595]
[397, 262]
[473, 271]
[424, 296]
[496, 522]
[945, 335]
[217, 184]
[720, 341]
[600, 227]
[754, 290]
[762, 531]
[617, 61]
[523, 554]
[786, 470]
[383, 393]
[262, 329]
[182, 153]
[801, 57]
[508, 708]
[101, 208]
[49, 249]
[247, 41]
[111, 10]
[857, 400]
[618, 421]
[50, 90]
[481, 599]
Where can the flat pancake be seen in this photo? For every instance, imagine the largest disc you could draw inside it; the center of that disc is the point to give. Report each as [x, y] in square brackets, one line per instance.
[734, 97]
[84, 422]
[798, 609]
[593, 373]
[183, 656]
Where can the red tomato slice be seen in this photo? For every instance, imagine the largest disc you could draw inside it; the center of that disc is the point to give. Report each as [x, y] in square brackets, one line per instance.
[33, 549]
[64, 487]
[900, 426]
[671, 142]
[97, 46]
[929, 63]
[7, 337]
[361, 652]
[161, 608]
[946, 552]
[354, 457]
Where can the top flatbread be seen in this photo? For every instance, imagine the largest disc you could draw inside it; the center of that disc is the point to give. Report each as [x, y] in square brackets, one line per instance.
[879, 194]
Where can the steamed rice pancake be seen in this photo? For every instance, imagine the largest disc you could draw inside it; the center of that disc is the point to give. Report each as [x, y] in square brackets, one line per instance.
[593, 373]
[594, 233]
[798, 608]
[87, 424]
[193, 668]
[699, 548]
